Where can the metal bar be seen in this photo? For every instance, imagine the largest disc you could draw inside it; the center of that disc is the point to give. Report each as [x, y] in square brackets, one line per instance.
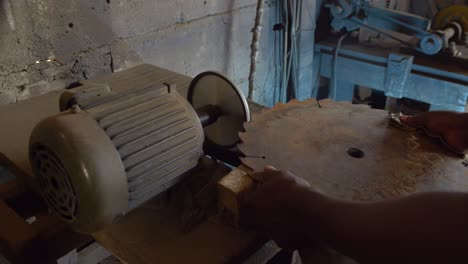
[436, 73]
[208, 114]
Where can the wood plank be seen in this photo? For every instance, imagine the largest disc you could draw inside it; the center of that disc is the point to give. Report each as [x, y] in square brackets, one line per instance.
[10, 188]
[15, 233]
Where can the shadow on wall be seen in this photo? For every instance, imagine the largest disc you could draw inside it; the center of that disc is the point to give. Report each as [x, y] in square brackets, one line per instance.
[49, 44]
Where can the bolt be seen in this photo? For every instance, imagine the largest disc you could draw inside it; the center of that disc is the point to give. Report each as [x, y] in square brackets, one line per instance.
[340, 9]
[76, 109]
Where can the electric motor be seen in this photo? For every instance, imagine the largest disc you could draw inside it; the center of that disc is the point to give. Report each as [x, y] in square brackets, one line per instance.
[114, 149]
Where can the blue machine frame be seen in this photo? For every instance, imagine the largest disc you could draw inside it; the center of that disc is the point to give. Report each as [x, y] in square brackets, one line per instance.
[354, 14]
[395, 74]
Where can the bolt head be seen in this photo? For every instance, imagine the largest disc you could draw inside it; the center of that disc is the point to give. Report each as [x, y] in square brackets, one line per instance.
[76, 109]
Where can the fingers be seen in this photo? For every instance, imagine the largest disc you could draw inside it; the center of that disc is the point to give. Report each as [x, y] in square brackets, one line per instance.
[248, 198]
[250, 201]
[414, 121]
[262, 175]
[248, 214]
[257, 176]
[440, 124]
[430, 119]
[435, 123]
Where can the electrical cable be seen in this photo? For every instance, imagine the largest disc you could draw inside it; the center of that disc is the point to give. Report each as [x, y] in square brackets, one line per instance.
[290, 13]
[255, 46]
[285, 52]
[334, 65]
[298, 37]
[294, 48]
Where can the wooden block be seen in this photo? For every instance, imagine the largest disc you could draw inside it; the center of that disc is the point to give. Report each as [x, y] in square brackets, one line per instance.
[41, 241]
[15, 233]
[55, 238]
[230, 190]
[9, 189]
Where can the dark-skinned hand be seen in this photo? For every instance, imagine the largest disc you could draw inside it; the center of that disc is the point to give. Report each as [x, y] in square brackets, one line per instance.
[451, 127]
[277, 207]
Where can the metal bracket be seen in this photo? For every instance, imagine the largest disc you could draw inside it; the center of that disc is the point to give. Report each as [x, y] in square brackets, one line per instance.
[170, 87]
[398, 69]
[354, 14]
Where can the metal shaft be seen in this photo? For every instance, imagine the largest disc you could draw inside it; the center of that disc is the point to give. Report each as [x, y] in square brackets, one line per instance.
[208, 114]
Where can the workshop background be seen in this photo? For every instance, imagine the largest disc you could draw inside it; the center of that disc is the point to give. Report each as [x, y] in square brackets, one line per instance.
[86, 38]
[50, 44]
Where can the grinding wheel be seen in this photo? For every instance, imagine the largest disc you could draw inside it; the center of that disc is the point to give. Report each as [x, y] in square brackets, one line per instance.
[215, 89]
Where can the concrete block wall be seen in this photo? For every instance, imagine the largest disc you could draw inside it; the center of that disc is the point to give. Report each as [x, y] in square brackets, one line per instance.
[85, 38]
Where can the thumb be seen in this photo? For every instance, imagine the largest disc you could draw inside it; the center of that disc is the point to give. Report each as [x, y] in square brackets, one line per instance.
[270, 168]
[413, 121]
[262, 175]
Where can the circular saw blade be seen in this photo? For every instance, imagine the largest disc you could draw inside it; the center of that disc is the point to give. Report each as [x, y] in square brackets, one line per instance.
[213, 88]
[350, 151]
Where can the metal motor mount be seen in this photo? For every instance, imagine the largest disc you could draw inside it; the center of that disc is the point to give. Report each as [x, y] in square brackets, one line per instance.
[114, 149]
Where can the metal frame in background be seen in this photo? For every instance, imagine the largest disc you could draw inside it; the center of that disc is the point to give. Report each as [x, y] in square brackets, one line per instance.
[397, 75]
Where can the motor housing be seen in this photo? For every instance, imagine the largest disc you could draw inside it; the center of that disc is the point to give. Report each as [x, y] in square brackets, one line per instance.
[124, 138]
[106, 156]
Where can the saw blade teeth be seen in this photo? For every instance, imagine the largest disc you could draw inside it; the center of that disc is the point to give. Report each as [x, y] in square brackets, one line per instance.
[242, 136]
[281, 105]
[263, 110]
[248, 125]
[310, 101]
[243, 160]
[243, 148]
[278, 106]
[366, 106]
[256, 167]
[255, 116]
[326, 102]
[343, 103]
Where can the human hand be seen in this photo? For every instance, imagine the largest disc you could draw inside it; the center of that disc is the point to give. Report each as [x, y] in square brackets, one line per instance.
[285, 207]
[451, 127]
